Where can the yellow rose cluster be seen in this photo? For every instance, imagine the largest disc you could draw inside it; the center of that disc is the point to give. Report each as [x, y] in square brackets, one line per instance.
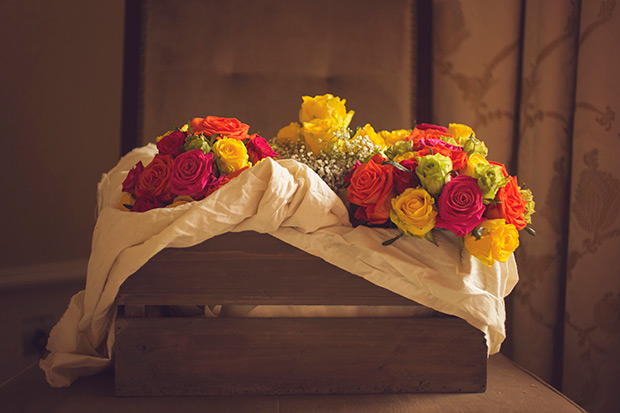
[324, 121]
[321, 119]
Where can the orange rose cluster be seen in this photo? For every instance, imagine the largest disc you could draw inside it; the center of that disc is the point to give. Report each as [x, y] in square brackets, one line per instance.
[192, 162]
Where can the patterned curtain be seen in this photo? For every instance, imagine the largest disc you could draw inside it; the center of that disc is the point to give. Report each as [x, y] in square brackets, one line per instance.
[538, 81]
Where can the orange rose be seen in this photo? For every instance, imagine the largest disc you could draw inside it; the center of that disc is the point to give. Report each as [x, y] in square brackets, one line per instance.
[512, 206]
[459, 160]
[372, 189]
[229, 127]
[155, 179]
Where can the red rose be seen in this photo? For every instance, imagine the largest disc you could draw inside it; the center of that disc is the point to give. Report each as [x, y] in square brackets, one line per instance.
[512, 206]
[460, 205]
[218, 183]
[372, 188]
[191, 171]
[145, 203]
[155, 179]
[430, 126]
[229, 127]
[172, 144]
[404, 180]
[258, 148]
[347, 179]
[129, 183]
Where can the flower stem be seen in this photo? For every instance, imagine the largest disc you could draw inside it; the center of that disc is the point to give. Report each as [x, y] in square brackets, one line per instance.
[391, 241]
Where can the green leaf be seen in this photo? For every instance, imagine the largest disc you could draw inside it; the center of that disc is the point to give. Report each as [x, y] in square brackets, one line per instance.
[397, 166]
[214, 138]
[477, 233]
[530, 230]
[129, 207]
[391, 241]
[429, 237]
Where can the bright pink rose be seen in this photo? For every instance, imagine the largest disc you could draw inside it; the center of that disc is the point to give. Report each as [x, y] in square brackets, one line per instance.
[460, 205]
[259, 148]
[172, 144]
[145, 203]
[129, 184]
[191, 172]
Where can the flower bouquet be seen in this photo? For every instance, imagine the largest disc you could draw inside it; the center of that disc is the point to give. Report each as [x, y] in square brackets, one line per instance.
[419, 180]
[192, 162]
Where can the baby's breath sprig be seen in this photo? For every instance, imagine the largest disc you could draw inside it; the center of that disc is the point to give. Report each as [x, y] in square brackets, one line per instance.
[335, 161]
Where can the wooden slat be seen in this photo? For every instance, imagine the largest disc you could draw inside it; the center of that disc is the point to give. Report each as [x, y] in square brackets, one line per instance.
[134, 310]
[201, 356]
[248, 268]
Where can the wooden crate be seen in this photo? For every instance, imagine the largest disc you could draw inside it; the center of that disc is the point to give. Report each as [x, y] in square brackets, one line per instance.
[157, 355]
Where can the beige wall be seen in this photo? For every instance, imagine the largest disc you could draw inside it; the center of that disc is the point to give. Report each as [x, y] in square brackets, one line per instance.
[60, 100]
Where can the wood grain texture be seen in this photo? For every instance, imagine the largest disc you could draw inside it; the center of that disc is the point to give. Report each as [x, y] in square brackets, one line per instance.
[248, 268]
[201, 356]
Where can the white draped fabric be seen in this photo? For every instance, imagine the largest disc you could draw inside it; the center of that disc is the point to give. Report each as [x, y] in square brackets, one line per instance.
[289, 201]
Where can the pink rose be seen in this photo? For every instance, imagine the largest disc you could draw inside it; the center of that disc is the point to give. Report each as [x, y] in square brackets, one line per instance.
[191, 172]
[172, 144]
[460, 205]
[129, 184]
[259, 148]
[145, 203]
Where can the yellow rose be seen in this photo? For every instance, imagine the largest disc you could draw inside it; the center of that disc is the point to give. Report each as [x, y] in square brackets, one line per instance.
[460, 132]
[394, 136]
[180, 200]
[318, 133]
[290, 133]
[323, 107]
[473, 160]
[413, 212]
[497, 241]
[231, 155]
[370, 133]
[405, 156]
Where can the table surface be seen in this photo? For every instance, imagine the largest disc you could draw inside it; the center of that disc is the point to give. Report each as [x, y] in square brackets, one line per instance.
[510, 388]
